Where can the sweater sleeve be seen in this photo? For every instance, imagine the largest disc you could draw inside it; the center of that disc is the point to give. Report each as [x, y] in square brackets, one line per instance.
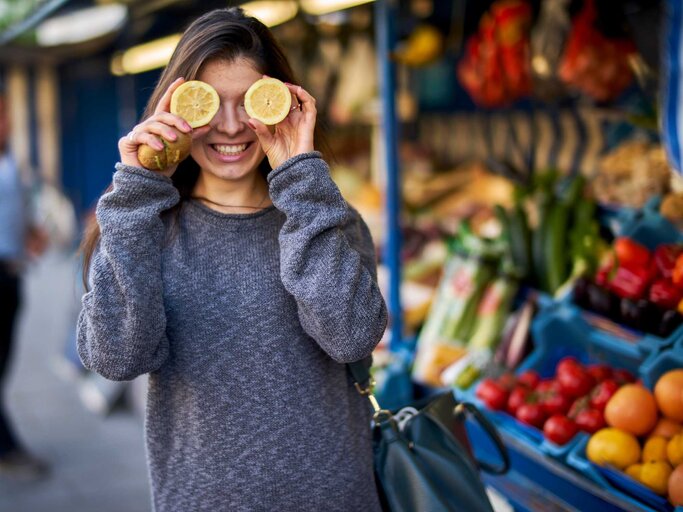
[122, 325]
[327, 260]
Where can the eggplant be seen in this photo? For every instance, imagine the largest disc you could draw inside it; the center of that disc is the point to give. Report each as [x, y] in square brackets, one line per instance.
[671, 319]
[602, 301]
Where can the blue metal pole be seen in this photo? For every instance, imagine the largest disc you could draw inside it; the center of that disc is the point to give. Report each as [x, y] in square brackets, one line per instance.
[385, 12]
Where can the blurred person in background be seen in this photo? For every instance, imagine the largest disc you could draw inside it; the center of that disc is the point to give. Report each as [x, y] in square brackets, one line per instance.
[242, 282]
[20, 241]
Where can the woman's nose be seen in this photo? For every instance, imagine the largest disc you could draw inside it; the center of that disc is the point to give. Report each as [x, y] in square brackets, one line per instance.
[228, 120]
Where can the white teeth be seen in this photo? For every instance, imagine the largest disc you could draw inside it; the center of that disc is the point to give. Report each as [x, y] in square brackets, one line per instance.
[224, 149]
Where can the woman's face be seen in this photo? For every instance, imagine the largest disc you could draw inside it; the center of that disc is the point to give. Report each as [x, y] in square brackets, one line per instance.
[230, 149]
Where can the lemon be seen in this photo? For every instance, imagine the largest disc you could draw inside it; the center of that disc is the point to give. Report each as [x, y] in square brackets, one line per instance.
[634, 471]
[268, 100]
[655, 449]
[655, 475]
[196, 102]
[613, 446]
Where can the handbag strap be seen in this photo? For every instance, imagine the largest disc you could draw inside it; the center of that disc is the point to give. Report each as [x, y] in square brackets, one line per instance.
[360, 371]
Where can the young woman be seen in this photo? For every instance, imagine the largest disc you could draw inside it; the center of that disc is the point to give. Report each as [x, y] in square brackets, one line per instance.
[241, 282]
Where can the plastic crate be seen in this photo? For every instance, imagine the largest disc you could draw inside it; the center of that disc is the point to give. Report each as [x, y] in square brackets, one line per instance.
[615, 480]
[649, 228]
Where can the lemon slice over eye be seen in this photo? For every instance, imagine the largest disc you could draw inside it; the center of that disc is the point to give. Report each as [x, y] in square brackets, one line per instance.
[196, 102]
[268, 100]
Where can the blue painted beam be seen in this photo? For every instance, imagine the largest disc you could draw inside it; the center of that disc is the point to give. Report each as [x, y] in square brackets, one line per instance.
[385, 14]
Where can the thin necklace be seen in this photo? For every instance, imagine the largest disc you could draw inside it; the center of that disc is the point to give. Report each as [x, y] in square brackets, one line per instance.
[257, 207]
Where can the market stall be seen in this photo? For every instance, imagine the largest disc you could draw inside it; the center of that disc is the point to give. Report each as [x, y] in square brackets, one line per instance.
[534, 198]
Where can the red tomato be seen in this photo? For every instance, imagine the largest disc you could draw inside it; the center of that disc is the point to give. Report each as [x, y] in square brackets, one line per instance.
[567, 363]
[601, 394]
[590, 420]
[623, 376]
[548, 386]
[531, 414]
[492, 394]
[555, 402]
[518, 396]
[599, 372]
[559, 429]
[575, 381]
[529, 378]
[630, 253]
[507, 380]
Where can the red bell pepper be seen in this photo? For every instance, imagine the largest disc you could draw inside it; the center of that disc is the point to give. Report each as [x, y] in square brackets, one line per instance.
[630, 253]
[665, 258]
[665, 294]
[630, 283]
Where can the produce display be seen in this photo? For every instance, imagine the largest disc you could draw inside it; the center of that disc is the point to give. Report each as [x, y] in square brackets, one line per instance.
[644, 436]
[637, 288]
[574, 399]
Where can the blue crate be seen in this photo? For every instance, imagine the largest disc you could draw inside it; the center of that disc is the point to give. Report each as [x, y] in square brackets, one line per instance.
[648, 227]
[616, 482]
[656, 365]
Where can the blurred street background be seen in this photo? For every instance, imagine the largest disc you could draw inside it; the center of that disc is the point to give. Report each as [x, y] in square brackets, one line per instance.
[97, 463]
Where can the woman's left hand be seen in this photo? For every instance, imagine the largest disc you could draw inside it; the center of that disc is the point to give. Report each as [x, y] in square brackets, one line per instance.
[294, 135]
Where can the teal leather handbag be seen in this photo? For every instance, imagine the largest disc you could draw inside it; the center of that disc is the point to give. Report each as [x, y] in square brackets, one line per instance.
[423, 461]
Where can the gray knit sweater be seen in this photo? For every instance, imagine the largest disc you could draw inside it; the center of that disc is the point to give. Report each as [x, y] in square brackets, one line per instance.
[244, 323]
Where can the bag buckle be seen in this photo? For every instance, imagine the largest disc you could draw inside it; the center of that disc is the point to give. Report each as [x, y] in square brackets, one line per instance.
[367, 391]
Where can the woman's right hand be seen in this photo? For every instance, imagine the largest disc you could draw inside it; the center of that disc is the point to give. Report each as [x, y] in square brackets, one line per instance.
[160, 124]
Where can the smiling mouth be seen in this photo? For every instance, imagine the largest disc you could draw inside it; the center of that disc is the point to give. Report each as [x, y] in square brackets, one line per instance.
[230, 149]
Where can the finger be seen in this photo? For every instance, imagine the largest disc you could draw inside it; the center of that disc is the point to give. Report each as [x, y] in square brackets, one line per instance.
[134, 139]
[164, 104]
[262, 132]
[158, 128]
[305, 99]
[172, 120]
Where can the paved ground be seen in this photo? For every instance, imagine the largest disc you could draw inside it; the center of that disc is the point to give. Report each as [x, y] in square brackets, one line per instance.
[98, 463]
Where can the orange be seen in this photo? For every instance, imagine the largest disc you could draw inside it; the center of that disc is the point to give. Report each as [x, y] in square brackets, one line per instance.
[268, 100]
[674, 450]
[655, 475]
[666, 427]
[196, 102]
[613, 446]
[655, 449]
[632, 409]
[669, 394]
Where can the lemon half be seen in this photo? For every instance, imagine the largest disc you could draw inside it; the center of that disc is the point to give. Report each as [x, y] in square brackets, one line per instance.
[196, 102]
[268, 100]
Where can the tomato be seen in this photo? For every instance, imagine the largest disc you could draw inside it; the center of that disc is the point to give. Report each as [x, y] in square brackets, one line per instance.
[590, 420]
[548, 386]
[531, 414]
[599, 372]
[566, 363]
[559, 429]
[507, 380]
[492, 394]
[601, 394]
[575, 381]
[554, 402]
[623, 376]
[518, 396]
[529, 378]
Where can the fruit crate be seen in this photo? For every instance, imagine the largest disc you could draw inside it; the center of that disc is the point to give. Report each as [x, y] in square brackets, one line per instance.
[559, 331]
[615, 480]
[649, 228]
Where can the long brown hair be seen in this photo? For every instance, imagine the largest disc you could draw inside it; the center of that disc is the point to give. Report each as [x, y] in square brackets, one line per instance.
[224, 34]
